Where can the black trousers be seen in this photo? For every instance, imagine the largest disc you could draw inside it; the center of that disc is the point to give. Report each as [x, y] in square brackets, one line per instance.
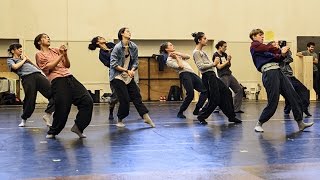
[192, 82]
[31, 84]
[316, 82]
[303, 93]
[218, 95]
[113, 97]
[67, 91]
[276, 83]
[125, 93]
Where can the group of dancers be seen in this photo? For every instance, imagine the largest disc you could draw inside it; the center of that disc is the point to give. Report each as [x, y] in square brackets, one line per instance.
[52, 78]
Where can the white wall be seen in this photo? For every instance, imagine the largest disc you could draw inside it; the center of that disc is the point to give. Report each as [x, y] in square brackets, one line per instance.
[77, 21]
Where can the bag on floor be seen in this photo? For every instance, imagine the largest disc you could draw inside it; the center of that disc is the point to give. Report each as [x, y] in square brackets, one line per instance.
[174, 94]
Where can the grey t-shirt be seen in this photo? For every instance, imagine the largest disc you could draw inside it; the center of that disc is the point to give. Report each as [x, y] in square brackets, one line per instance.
[307, 53]
[26, 69]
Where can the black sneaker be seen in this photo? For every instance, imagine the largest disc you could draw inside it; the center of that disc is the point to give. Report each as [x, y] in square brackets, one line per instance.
[235, 120]
[203, 122]
[196, 111]
[181, 116]
[307, 113]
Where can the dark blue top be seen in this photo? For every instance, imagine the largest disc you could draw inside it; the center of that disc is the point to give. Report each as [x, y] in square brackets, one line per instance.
[105, 55]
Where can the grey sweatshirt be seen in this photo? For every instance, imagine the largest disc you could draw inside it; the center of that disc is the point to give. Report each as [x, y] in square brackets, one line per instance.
[202, 61]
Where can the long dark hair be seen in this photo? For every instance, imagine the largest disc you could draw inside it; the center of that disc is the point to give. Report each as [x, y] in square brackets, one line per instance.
[94, 45]
[197, 36]
[37, 39]
[120, 32]
[163, 48]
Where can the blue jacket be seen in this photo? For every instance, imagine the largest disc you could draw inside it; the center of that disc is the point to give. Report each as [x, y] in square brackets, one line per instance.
[117, 58]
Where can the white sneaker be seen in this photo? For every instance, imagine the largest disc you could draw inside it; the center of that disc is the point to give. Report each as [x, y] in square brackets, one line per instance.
[258, 127]
[302, 125]
[46, 119]
[50, 136]
[23, 123]
[120, 124]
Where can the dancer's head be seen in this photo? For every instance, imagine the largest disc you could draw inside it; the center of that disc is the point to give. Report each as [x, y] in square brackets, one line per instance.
[96, 42]
[42, 40]
[221, 46]
[124, 34]
[167, 48]
[257, 35]
[200, 38]
[15, 49]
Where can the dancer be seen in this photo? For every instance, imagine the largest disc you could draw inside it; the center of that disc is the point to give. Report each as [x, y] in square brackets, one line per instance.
[66, 89]
[218, 93]
[187, 76]
[104, 56]
[225, 74]
[124, 62]
[302, 91]
[267, 61]
[32, 82]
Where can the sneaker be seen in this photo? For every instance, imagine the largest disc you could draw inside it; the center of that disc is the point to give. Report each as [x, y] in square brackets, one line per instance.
[46, 119]
[203, 122]
[239, 111]
[235, 120]
[23, 123]
[306, 112]
[196, 111]
[181, 116]
[148, 120]
[120, 124]
[50, 136]
[258, 127]
[76, 130]
[302, 125]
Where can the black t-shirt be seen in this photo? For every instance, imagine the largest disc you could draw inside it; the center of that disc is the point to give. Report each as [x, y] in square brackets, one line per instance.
[223, 58]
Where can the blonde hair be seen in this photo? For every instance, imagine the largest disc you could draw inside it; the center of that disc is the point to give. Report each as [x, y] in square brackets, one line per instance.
[255, 32]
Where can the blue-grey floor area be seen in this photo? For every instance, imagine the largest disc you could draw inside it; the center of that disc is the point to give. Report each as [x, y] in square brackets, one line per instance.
[175, 149]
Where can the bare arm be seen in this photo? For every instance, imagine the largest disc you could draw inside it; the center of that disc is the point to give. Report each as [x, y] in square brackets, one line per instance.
[299, 54]
[18, 65]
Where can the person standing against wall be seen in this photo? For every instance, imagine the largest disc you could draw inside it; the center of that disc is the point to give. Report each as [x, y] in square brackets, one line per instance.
[310, 52]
